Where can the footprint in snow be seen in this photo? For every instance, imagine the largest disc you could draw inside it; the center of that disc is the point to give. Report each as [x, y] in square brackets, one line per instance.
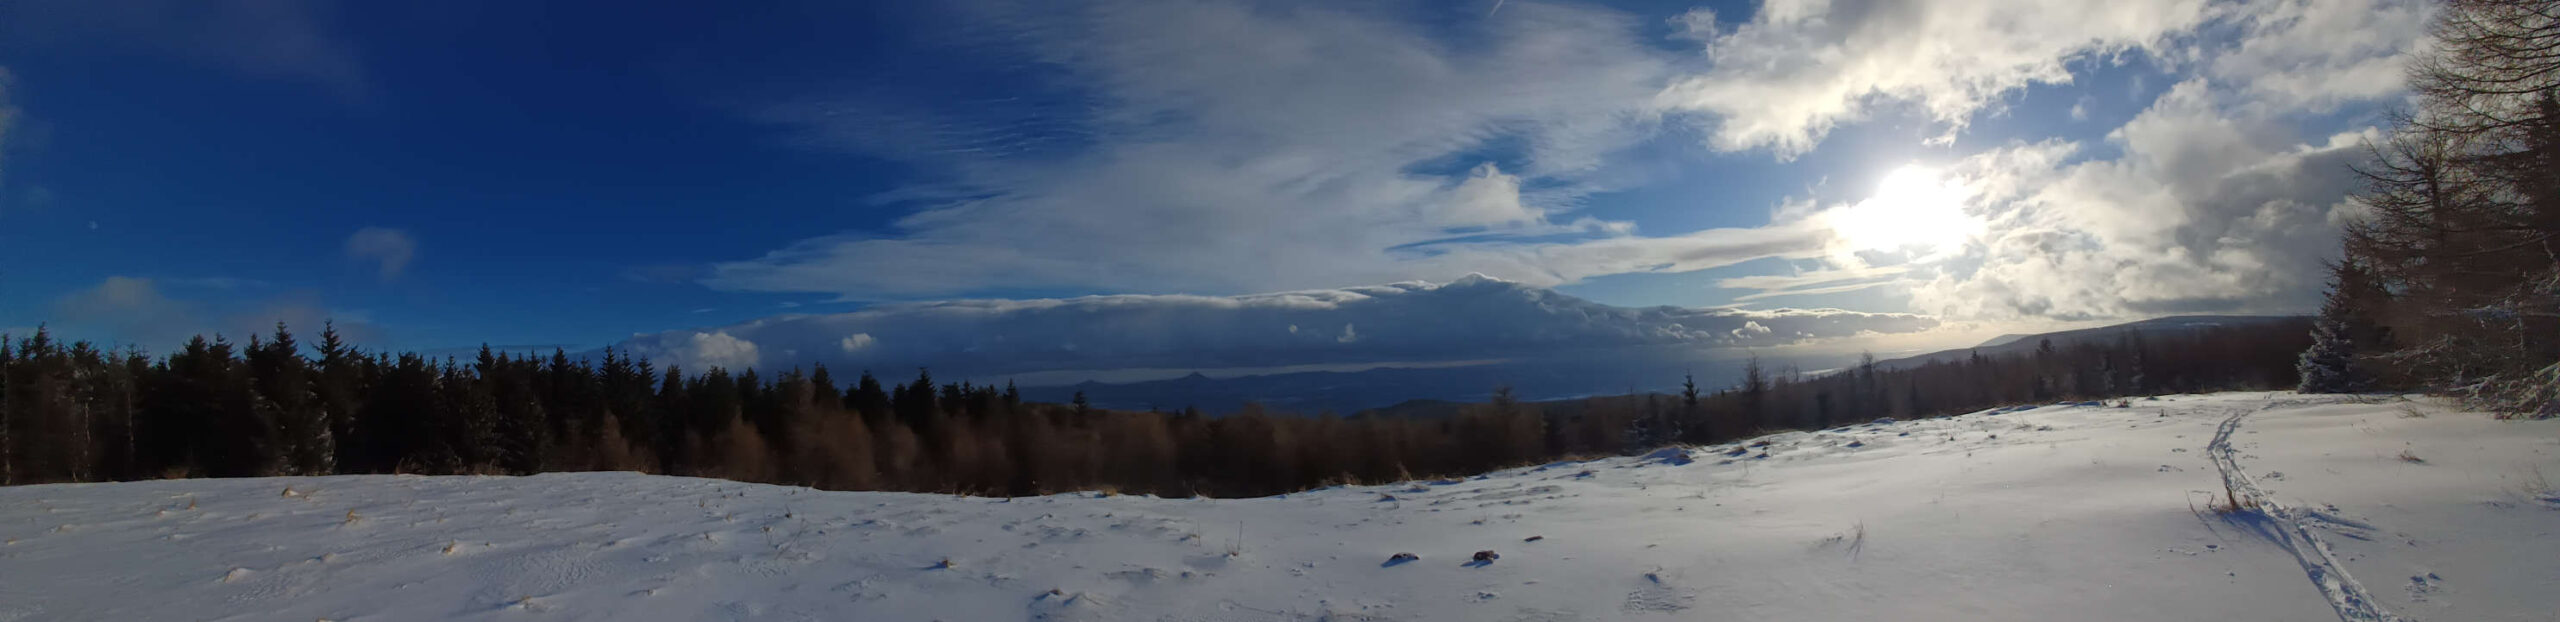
[2423, 586]
[1658, 595]
[1059, 604]
[1138, 576]
[1539, 615]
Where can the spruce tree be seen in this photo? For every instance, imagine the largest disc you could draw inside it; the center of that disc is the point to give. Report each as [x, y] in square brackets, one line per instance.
[113, 389]
[1646, 428]
[823, 394]
[282, 381]
[8, 457]
[1755, 393]
[338, 367]
[2330, 364]
[1694, 426]
[41, 410]
[868, 398]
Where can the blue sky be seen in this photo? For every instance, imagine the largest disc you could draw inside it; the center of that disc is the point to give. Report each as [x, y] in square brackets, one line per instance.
[445, 174]
[553, 166]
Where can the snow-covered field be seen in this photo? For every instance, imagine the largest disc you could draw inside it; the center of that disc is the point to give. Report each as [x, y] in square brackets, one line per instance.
[2055, 513]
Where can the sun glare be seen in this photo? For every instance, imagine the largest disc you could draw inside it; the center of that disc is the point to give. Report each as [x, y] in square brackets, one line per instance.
[1914, 208]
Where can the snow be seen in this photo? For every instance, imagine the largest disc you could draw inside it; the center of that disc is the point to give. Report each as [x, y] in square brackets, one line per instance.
[2059, 512]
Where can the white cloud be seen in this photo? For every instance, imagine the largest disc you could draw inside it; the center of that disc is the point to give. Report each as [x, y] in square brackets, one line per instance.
[1799, 68]
[2208, 210]
[1821, 281]
[1235, 148]
[124, 310]
[854, 343]
[389, 249]
[1410, 321]
[1488, 198]
[2316, 54]
[1226, 147]
[287, 39]
[128, 309]
[702, 350]
[2214, 200]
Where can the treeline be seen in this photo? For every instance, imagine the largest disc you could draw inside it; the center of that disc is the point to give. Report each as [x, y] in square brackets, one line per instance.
[73, 412]
[2451, 279]
[2258, 355]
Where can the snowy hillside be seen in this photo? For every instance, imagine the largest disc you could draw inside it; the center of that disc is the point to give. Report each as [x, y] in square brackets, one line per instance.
[2389, 510]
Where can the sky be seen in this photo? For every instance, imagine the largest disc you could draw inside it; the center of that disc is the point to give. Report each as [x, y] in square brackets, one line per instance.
[1028, 186]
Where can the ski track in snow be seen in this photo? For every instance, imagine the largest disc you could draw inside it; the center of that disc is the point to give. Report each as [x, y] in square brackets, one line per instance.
[2024, 513]
[2288, 527]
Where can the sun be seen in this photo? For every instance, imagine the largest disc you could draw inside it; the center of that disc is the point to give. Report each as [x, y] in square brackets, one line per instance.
[1915, 208]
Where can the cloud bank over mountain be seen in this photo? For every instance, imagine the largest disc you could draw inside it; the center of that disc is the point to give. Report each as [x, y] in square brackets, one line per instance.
[1474, 318]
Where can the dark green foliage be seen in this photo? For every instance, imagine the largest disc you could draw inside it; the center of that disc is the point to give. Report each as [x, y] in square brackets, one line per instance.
[2332, 364]
[69, 412]
[287, 398]
[211, 409]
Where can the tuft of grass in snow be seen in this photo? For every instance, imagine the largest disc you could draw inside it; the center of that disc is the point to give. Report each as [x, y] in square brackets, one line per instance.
[2232, 502]
[1857, 540]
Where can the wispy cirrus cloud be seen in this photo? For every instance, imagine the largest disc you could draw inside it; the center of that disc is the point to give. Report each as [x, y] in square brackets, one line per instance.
[1237, 147]
[9, 119]
[283, 39]
[1796, 69]
[1825, 280]
[1225, 147]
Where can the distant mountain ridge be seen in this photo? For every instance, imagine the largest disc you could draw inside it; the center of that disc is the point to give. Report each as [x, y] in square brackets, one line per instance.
[2011, 344]
[2003, 340]
[1436, 391]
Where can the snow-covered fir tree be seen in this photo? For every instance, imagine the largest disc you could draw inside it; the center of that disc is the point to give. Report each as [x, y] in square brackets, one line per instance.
[2330, 365]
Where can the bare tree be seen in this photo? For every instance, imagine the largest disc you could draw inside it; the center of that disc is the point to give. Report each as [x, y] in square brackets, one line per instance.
[2462, 233]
